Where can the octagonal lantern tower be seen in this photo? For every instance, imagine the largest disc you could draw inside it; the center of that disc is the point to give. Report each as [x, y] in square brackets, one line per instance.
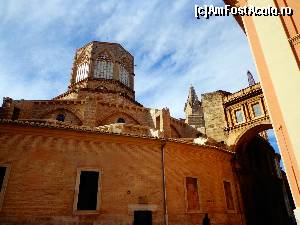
[103, 66]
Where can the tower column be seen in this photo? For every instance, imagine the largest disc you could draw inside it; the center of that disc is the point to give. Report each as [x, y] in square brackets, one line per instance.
[116, 71]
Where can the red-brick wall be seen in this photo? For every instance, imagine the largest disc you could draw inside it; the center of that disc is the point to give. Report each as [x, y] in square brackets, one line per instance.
[211, 167]
[44, 165]
[43, 174]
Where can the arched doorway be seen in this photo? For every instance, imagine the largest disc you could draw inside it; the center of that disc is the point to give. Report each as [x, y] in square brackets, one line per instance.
[265, 192]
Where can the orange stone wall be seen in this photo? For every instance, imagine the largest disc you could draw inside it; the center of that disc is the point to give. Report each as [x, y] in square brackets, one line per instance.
[211, 167]
[44, 163]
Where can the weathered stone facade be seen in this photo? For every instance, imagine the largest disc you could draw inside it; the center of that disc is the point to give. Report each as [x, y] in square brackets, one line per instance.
[219, 115]
[176, 171]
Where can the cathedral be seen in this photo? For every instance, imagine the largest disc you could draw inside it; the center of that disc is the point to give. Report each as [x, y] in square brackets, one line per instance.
[94, 155]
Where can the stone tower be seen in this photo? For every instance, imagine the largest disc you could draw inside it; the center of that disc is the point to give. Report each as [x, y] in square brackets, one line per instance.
[193, 111]
[103, 66]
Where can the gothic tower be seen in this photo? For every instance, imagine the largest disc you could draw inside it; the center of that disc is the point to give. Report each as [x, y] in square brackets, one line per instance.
[193, 110]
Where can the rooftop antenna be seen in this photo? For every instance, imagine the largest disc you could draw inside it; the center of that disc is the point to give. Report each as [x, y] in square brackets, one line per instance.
[251, 80]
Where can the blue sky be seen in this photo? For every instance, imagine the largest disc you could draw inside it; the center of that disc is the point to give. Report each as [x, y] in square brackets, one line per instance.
[172, 49]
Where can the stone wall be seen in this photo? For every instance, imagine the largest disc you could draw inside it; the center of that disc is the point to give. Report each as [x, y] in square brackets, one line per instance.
[214, 115]
[211, 167]
[44, 162]
[97, 109]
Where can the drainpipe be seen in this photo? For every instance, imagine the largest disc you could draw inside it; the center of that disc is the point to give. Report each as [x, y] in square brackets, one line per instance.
[238, 188]
[163, 143]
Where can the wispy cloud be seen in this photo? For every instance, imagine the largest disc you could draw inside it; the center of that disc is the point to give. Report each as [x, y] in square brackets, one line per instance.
[172, 49]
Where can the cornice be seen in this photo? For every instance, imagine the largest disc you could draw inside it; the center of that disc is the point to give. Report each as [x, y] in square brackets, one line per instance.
[244, 93]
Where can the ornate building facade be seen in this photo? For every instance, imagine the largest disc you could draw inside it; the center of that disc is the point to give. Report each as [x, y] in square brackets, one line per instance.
[94, 155]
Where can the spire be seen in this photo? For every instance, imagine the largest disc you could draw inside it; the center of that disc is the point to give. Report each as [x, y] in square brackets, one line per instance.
[251, 80]
[192, 100]
[192, 96]
[193, 109]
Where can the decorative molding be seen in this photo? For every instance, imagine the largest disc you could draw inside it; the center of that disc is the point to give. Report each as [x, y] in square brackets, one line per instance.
[255, 121]
[244, 93]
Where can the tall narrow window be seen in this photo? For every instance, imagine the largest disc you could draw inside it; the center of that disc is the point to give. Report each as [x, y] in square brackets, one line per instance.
[88, 190]
[228, 195]
[2, 176]
[16, 113]
[4, 170]
[82, 71]
[192, 195]
[124, 76]
[142, 218]
[256, 110]
[103, 67]
[239, 116]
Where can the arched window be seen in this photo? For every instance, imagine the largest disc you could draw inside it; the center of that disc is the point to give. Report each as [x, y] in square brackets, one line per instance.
[82, 71]
[60, 117]
[124, 76]
[103, 67]
[120, 120]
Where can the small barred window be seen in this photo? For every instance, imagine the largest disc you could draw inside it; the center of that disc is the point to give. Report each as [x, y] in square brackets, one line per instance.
[124, 76]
